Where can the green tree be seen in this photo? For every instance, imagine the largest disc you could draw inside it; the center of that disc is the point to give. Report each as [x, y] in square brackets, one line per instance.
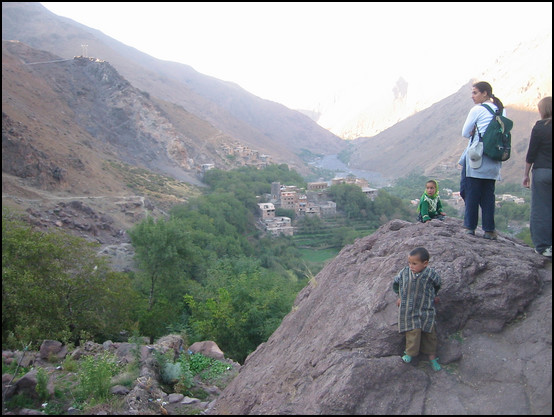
[281, 212]
[54, 286]
[169, 260]
[350, 200]
[310, 224]
[242, 306]
[159, 249]
[387, 207]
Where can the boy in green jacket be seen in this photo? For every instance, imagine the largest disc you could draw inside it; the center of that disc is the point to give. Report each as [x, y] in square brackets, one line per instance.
[430, 205]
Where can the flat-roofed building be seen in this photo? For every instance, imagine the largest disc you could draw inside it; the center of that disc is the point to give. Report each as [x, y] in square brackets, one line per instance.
[279, 226]
[312, 210]
[289, 200]
[371, 193]
[317, 186]
[267, 210]
[328, 209]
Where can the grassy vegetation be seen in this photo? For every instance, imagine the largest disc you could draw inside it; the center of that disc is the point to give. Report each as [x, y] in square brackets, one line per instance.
[318, 256]
[145, 182]
[85, 384]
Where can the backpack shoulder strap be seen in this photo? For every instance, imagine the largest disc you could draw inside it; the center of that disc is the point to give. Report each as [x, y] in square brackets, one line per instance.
[489, 109]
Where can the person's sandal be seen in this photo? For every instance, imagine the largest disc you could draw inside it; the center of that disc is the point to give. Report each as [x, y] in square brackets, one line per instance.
[406, 358]
[435, 364]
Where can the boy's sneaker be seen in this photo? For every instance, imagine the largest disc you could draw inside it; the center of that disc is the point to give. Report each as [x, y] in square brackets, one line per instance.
[547, 252]
[406, 358]
[435, 364]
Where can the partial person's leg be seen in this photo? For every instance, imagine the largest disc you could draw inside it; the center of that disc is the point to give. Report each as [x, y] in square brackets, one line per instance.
[540, 221]
[429, 347]
[472, 199]
[413, 340]
[463, 181]
[488, 204]
[429, 343]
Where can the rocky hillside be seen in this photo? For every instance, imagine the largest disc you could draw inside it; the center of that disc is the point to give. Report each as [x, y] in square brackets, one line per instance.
[85, 151]
[139, 387]
[98, 108]
[260, 124]
[94, 144]
[338, 350]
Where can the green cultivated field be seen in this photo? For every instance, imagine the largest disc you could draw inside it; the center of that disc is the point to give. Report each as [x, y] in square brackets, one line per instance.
[318, 255]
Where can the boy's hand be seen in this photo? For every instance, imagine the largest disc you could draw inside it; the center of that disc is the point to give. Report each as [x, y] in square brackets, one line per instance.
[398, 302]
[437, 300]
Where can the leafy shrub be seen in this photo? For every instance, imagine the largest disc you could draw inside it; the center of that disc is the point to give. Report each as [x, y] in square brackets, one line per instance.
[198, 363]
[69, 364]
[42, 385]
[171, 373]
[207, 368]
[95, 377]
[20, 400]
[186, 380]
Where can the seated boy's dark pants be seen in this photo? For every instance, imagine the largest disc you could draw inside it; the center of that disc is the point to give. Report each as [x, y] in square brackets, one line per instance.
[419, 341]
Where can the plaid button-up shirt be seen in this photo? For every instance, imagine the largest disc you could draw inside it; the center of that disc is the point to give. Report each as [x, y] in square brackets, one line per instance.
[417, 298]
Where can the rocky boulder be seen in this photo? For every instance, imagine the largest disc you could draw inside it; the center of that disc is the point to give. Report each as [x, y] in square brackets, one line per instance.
[338, 350]
[207, 348]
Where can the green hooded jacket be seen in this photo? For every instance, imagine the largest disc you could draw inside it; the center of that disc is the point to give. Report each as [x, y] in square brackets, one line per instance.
[430, 206]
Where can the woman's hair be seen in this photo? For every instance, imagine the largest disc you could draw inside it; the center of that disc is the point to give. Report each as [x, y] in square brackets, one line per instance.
[484, 86]
[422, 253]
[545, 109]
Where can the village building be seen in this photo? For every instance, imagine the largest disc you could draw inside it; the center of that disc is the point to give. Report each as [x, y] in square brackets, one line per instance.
[267, 210]
[317, 186]
[314, 202]
[371, 193]
[279, 226]
[328, 209]
[289, 200]
[313, 210]
[509, 197]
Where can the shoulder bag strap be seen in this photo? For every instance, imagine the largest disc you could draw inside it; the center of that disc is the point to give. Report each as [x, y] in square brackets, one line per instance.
[489, 109]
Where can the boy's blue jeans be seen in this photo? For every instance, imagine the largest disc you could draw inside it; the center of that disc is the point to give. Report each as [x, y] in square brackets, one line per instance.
[479, 193]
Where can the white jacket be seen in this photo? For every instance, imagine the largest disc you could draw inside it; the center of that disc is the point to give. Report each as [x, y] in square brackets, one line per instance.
[489, 169]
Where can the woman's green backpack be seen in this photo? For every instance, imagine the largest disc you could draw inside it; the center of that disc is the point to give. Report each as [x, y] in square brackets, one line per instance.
[497, 139]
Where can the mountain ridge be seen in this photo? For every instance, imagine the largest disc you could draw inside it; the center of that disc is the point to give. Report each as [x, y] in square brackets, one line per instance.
[283, 135]
[438, 130]
[519, 77]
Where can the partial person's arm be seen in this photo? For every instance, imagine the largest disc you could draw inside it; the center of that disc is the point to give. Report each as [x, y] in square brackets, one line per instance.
[526, 180]
[531, 155]
[469, 126]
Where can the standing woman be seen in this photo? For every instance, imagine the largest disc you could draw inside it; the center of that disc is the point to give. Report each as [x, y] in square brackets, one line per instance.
[479, 176]
[539, 156]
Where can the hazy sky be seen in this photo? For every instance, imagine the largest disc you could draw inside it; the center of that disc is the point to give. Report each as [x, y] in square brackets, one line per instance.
[298, 54]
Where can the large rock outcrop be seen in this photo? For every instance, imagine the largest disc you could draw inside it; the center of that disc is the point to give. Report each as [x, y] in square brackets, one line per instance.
[338, 350]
